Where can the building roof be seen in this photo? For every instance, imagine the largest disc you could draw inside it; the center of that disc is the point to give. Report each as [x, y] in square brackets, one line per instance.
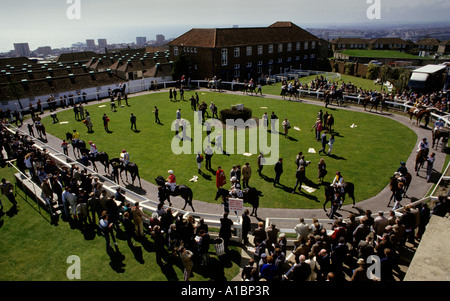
[389, 41]
[279, 32]
[15, 61]
[349, 41]
[73, 57]
[429, 69]
[428, 42]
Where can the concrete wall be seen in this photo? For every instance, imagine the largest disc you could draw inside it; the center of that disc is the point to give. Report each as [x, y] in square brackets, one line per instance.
[431, 261]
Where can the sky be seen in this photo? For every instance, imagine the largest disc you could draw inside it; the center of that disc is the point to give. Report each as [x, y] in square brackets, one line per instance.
[46, 22]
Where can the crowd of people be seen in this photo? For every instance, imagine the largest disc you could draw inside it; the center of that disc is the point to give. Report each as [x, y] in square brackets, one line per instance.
[318, 255]
[84, 202]
[342, 253]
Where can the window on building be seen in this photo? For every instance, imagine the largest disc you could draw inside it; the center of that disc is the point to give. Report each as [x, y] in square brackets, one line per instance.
[305, 47]
[280, 60]
[224, 57]
[297, 58]
[288, 59]
[237, 73]
[259, 70]
[312, 55]
[260, 49]
[175, 50]
[305, 57]
[289, 47]
[249, 64]
[270, 62]
[313, 45]
[260, 63]
[237, 52]
[249, 50]
[297, 46]
[280, 47]
[237, 66]
[270, 50]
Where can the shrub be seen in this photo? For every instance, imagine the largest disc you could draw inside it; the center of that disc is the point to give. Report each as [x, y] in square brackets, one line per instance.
[349, 68]
[372, 71]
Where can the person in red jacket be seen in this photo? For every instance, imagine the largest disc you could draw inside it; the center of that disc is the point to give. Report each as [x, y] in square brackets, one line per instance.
[220, 177]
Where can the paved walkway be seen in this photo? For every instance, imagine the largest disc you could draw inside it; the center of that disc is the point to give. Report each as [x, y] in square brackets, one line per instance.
[418, 188]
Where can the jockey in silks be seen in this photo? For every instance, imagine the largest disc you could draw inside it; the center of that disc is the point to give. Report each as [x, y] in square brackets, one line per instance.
[439, 124]
[75, 136]
[423, 145]
[171, 180]
[235, 189]
[125, 157]
[338, 184]
[93, 151]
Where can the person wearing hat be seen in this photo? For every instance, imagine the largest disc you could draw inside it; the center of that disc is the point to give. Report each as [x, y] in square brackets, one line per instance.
[439, 124]
[338, 182]
[93, 151]
[75, 136]
[171, 181]
[235, 189]
[360, 273]
[125, 157]
[402, 169]
[423, 146]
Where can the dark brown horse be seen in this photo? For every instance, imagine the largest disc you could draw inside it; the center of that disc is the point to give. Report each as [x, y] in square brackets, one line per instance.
[374, 102]
[419, 113]
[421, 157]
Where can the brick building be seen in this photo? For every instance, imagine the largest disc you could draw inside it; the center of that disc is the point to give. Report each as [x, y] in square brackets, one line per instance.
[244, 53]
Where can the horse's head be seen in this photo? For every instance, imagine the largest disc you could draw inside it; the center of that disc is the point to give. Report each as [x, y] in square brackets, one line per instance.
[160, 180]
[221, 192]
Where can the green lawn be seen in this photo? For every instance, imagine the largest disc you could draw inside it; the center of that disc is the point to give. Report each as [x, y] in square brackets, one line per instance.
[379, 54]
[363, 83]
[366, 155]
[34, 250]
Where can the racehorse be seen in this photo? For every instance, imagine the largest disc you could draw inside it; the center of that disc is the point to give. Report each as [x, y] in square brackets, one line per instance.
[393, 184]
[437, 135]
[101, 157]
[249, 88]
[338, 95]
[374, 102]
[77, 146]
[419, 113]
[421, 157]
[131, 168]
[349, 189]
[180, 190]
[250, 195]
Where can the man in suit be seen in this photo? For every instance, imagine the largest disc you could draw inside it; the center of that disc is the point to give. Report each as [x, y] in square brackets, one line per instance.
[278, 171]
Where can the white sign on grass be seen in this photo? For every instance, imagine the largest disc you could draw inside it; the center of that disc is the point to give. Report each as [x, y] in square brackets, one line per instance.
[236, 205]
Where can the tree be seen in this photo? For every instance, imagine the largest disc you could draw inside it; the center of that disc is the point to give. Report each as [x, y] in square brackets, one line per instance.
[372, 71]
[181, 66]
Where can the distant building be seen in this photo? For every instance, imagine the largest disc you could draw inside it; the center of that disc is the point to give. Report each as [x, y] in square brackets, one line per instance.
[349, 43]
[160, 39]
[44, 50]
[429, 45]
[244, 53]
[444, 47]
[90, 43]
[390, 44]
[140, 41]
[22, 49]
[102, 43]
